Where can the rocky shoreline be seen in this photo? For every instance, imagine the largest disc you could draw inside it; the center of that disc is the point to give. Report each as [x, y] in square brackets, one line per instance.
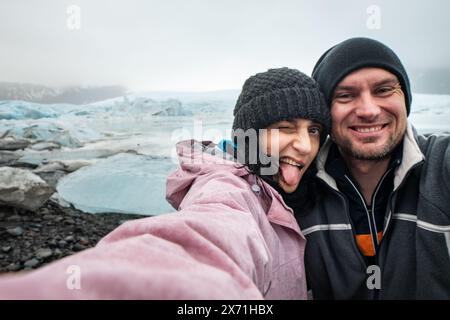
[36, 227]
[31, 239]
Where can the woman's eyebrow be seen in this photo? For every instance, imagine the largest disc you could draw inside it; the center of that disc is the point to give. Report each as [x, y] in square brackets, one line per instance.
[291, 121]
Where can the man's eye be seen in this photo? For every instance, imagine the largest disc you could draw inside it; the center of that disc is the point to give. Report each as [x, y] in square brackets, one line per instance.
[385, 91]
[343, 97]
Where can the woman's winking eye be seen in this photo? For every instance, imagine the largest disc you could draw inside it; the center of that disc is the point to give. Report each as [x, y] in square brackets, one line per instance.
[283, 125]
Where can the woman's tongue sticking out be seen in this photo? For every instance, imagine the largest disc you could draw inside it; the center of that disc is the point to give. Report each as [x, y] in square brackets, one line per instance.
[290, 173]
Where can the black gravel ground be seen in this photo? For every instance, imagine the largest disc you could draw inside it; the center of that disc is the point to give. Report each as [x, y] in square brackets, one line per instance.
[29, 240]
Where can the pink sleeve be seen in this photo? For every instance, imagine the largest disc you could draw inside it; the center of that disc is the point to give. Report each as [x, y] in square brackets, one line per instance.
[211, 249]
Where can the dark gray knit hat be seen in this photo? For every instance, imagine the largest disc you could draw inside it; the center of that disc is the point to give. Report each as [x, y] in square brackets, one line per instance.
[277, 95]
[353, 54]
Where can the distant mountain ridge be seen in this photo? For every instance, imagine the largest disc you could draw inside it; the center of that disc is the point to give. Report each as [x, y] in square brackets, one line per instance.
[43, 94]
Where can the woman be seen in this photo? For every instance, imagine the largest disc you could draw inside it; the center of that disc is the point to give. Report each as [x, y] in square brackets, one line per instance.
[233, 237]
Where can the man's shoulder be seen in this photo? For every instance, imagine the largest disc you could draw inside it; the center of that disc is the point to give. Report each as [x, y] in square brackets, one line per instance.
[435, 172]
[434, 145]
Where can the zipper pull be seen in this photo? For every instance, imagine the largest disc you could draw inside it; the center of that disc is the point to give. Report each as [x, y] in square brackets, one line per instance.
[256, 189]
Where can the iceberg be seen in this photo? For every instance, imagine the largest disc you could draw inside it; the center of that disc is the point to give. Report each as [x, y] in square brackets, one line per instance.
[124, 183]
[64, 133]
[173, 108]
[51, 133]
[17, 110]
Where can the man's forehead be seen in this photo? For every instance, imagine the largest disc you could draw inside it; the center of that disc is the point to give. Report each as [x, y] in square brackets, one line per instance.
[367, 76]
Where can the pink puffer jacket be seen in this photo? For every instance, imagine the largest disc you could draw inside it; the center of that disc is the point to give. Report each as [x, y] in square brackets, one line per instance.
[232, 238]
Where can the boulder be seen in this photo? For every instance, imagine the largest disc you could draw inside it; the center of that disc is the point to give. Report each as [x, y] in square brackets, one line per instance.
[12, 143]
[9, 157]
[23, 189]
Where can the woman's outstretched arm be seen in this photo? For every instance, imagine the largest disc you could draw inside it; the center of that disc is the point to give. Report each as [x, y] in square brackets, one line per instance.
[213, 248]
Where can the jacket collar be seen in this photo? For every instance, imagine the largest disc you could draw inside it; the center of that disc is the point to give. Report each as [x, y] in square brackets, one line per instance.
[411, 157]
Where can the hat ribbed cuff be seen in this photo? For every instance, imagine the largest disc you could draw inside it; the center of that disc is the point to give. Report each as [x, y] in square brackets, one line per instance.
[282, 104]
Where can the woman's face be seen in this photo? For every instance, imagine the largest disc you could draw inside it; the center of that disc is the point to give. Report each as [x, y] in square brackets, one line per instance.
[295, 144]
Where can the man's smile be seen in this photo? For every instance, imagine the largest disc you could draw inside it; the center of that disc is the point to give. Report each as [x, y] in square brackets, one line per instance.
[368, 130]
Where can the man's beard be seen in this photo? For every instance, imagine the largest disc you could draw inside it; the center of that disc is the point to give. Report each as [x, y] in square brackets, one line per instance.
[347, 148]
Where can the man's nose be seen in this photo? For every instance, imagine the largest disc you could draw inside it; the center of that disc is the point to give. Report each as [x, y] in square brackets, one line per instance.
[367, 107]
[302, 142]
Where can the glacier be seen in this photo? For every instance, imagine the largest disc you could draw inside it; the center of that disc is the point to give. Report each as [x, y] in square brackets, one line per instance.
[132, 138]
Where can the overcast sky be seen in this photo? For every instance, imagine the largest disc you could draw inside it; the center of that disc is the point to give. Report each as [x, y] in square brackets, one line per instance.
[203, 44]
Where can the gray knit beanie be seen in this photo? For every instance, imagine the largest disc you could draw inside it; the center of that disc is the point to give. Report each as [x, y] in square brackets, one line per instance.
[277, 95]
[353, 54]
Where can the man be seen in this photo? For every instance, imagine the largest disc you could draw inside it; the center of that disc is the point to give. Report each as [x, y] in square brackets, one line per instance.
[382, 227]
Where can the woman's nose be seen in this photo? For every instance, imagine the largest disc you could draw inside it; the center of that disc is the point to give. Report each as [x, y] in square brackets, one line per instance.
[302, 143]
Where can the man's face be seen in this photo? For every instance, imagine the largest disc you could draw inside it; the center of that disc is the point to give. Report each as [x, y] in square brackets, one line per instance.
[368, 114]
